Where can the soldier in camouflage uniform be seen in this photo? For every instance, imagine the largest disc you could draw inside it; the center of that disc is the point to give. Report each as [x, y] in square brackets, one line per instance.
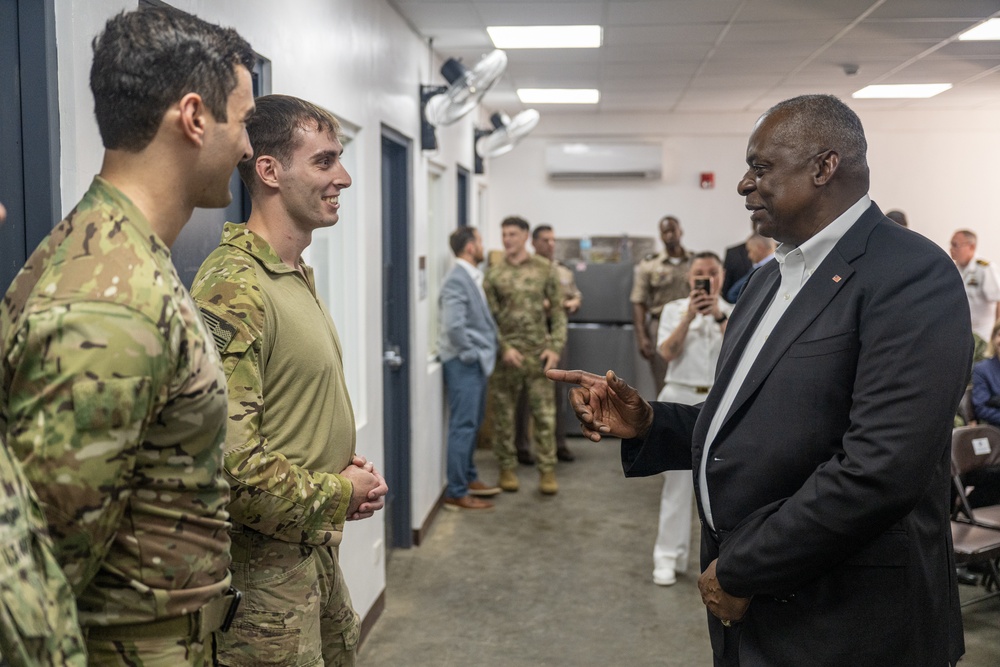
[659, 279]
[290, 446]
[38, 626]
[543, 240]
[520, 290]
[110, 388]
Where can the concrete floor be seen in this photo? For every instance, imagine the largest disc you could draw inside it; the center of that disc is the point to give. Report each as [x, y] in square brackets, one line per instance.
[562, 581]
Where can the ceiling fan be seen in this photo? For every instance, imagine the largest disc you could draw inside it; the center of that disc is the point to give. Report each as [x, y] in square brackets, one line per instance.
[444, 105]
[506, 133]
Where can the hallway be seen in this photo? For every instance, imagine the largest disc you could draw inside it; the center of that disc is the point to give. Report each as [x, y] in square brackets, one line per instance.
[561, 582]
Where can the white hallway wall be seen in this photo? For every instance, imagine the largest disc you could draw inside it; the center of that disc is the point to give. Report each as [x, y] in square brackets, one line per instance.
[360, 60]
[940, 168]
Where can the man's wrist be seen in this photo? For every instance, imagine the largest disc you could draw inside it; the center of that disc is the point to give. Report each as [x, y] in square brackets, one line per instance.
[721, 318]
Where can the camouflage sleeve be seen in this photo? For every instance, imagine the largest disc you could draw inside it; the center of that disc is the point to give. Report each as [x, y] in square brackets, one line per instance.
[38, 621]
[85, 383]
[572, 291]
[557, 316]
[269, 494]
[493, 300]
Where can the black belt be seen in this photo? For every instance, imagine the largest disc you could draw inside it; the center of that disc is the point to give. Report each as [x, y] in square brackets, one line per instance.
[216, 615]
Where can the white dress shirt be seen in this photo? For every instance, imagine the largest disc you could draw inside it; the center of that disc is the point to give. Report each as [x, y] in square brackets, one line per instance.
[695, 365]
[475, 274]
[796, 266]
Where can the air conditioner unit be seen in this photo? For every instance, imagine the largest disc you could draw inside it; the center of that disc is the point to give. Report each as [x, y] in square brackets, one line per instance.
[604, 161]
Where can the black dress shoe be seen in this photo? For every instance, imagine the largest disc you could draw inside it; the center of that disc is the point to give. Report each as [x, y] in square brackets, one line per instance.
[965, 577]
[563, 454]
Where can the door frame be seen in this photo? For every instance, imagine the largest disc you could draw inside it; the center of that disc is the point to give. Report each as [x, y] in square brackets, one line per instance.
[397, 214]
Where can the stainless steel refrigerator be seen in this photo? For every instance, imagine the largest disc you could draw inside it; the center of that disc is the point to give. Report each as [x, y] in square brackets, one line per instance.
[601, 336]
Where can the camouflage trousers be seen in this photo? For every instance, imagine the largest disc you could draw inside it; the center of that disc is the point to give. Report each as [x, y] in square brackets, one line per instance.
[160, 652]
[506, 384]
[296, 609]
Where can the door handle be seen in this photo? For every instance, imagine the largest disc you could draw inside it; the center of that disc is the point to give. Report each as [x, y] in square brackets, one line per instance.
[392, 358]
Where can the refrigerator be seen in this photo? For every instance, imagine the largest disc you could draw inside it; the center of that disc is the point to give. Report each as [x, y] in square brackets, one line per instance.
[600, 335]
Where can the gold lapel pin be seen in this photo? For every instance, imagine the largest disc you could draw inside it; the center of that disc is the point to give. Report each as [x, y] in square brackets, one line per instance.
[836, 279]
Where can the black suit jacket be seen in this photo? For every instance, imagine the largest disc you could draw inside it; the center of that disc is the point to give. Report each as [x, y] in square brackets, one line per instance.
[829, 478]
[737, 264]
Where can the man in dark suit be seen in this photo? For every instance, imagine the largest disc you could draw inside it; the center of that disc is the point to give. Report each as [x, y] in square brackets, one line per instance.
[821, 455]
[737, 264]
[467, 348]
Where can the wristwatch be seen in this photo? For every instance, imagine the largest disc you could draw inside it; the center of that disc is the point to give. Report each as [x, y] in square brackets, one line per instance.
[720, 320]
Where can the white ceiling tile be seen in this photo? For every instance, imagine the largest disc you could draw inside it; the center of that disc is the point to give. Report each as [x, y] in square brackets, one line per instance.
[673, 12]
[970, 9]
[540, 13]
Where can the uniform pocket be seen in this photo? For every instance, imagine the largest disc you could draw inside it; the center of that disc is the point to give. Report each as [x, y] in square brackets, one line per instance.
[259, 638]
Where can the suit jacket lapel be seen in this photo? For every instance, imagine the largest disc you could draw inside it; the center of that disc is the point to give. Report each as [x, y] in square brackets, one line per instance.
[812, 299]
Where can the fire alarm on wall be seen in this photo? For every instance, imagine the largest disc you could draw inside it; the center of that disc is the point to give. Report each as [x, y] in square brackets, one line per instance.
[707, 180]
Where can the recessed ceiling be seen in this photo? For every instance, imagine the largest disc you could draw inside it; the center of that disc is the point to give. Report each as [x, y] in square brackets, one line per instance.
[697, 56]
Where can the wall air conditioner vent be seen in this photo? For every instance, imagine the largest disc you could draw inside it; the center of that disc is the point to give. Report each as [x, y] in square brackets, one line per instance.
[604, 161]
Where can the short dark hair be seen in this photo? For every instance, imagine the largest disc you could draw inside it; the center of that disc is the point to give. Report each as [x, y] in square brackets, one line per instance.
[898, 217]
[273, 130]
[539, 230]
[515, 221]
[460, 238]
[148, 59]
[829, 124]
[706, 254]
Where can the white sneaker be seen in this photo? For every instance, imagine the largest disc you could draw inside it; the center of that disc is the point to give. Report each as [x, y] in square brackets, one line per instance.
[664, 576]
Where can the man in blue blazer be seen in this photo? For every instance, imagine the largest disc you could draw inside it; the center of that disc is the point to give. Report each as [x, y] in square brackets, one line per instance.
[821, 455]
[468, 349]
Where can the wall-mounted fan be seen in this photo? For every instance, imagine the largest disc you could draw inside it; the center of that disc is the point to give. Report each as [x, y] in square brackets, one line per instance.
[504, 136]
[443, 105]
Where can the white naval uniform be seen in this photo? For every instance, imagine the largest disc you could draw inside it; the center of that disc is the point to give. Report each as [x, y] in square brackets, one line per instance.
[688, 380]
[983, 290]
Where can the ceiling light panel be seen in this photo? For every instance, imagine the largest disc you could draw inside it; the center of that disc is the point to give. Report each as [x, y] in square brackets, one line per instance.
[546, 36]
[559, 95]
[901, 91]
[985, 31]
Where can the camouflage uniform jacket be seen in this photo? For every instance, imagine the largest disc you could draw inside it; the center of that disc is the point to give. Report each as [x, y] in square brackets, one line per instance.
[291, 424]
[112, 392]
[517, 295]
[658, 281]
[38, 625]
[568, 283]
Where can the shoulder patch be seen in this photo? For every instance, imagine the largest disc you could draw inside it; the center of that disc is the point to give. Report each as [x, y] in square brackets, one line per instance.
[222, 331]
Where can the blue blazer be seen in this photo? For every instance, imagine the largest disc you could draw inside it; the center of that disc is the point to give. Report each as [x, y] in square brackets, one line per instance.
[830, 476]
[467, 327]
[986, 390]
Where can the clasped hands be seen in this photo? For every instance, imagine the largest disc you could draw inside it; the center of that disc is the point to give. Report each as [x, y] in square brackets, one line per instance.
[608, 406]
[370, 489]
[513, 357]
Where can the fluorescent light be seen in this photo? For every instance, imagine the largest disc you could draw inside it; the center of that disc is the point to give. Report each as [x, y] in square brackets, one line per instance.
[546, 36]
[987, 30]
[901, 91]
[559, 95]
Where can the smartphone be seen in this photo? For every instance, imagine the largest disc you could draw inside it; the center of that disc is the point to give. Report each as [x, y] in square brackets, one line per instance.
[704, 284]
